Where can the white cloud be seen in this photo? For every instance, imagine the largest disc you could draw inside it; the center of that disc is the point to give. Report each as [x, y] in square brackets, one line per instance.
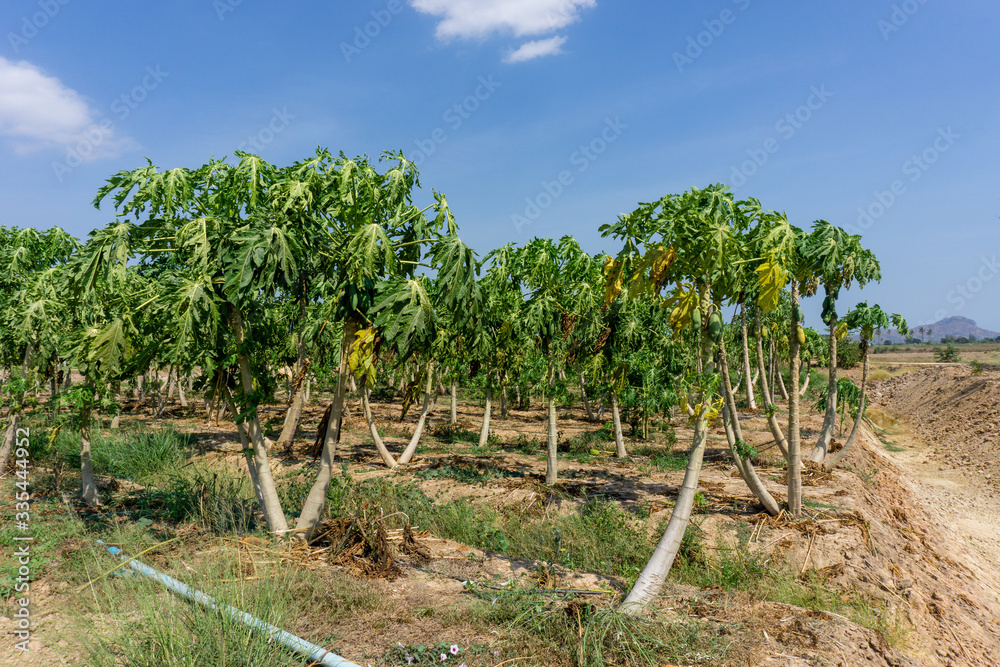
[37, 111]
[480, 18]
[536, 49]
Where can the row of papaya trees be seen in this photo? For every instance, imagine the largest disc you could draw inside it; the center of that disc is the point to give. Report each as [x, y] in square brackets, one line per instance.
[244, 274]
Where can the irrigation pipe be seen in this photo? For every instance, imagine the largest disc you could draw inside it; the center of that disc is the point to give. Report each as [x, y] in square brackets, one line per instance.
[318, 655]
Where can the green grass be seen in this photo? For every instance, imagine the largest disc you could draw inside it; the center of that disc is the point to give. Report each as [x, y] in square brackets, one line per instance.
[136, 454]
[51, 526]
[569, 628]
[662, 458]
[158, 628]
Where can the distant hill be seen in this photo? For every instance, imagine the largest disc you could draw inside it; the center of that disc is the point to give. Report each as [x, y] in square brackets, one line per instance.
[958, 327]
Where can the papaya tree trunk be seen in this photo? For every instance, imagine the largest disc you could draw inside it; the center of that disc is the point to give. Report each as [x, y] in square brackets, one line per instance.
[805, 385]
[294, 414]
[312, 508]
[835, 460]
[88, 484]
[766, 396]
[453, 414]
[651, 579]
[794, 450]
[248, 457]
[617, 420]
[503, 400]
[484, 432]
[418, 431]
[181, 392]
[748, 381]
[822, 447]
[9, 437]
[781, 383]
[273, 513]
[583, 393]
[366, 407]
[552, 462]
[734, 436]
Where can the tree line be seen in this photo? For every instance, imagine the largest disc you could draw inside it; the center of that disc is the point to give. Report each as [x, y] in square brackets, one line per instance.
[240, 276]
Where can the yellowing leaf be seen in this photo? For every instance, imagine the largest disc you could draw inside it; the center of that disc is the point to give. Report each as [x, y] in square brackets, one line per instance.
[612, 280]
[771, 279]
[682, 303]
[361, 358]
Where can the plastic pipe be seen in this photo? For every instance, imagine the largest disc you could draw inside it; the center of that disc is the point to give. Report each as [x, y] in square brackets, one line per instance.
[316, 654]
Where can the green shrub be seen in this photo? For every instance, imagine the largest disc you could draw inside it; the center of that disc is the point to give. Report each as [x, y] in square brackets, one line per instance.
[948, 354]
[848, 354]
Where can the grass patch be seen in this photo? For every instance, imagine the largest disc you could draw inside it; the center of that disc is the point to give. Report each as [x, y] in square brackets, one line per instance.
[466, 473]
[158, 628]
[879, 374]
[137, 454]
[599, 537]
[556, 629]
[51, 526]
[663, 458]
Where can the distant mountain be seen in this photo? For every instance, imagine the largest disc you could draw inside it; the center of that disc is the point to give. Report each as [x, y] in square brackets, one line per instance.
[958, 327]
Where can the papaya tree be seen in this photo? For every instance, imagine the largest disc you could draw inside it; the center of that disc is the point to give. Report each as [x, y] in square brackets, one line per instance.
[839, 260]
[682, 243]
[780, 247]
[33, 342]
[557, 279]
[867, 321]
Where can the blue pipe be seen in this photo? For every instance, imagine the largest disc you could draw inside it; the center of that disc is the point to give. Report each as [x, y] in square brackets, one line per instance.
[316, 654]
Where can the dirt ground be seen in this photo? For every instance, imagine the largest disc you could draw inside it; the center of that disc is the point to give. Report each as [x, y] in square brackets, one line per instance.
[909, 522]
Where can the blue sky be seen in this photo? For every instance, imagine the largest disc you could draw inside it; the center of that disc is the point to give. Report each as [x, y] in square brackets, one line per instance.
[543, 117]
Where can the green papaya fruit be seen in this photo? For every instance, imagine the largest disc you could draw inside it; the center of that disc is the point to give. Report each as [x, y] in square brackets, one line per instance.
[716, 326]
[696, 318]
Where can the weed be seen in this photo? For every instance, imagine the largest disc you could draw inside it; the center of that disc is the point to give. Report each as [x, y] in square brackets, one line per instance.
[662, 458]
[214, 499]
[158, 628]
[948, 354]
[594, 636]
[429, 654]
